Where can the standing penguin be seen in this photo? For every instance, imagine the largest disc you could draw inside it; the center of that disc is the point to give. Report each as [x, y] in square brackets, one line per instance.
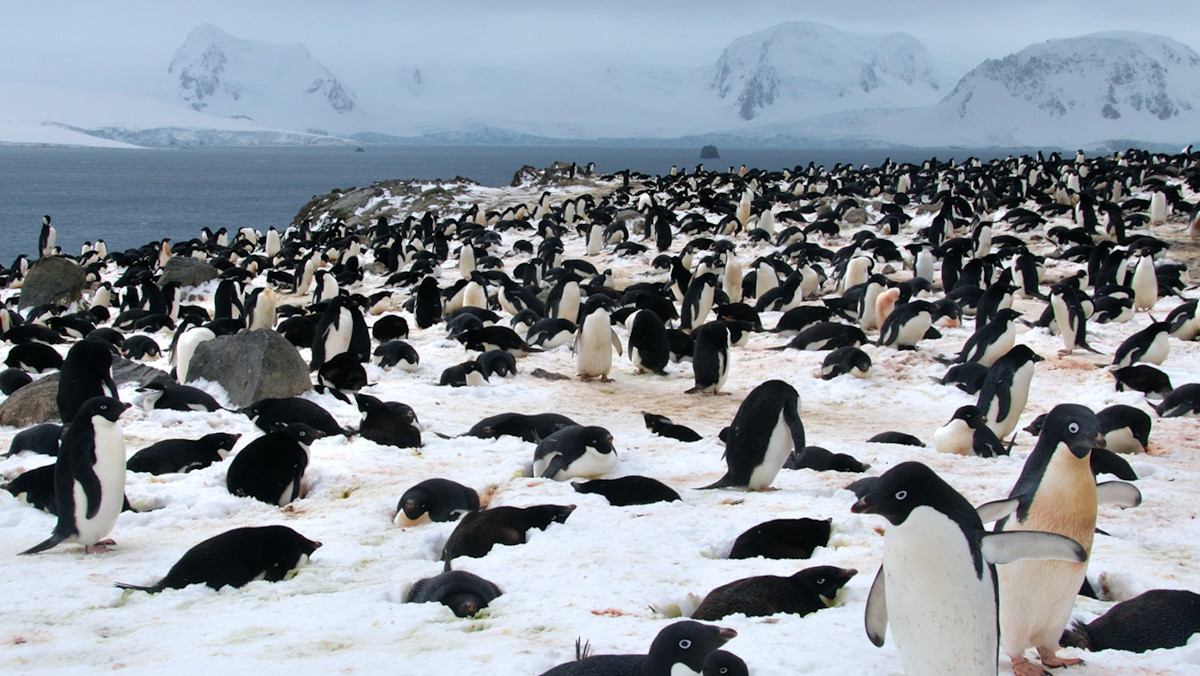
[649, 349]
[710, 357]
[1069, 318]
[937, 585]
[428, 303]
[1055, 492]
[764, 431]
[992, 340]
[86, 372]
[698, 301]
[89, 477]
[1006, 389]
[594, 344]
[46, 238]
[341, 329]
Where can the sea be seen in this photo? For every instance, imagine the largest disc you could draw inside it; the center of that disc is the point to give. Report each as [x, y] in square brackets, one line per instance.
[131, 197]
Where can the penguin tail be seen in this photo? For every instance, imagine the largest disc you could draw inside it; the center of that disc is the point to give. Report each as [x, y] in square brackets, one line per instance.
[44, 545]
[1076, 636]
[943, 359]
[152, 590]
[583, 649]
[443, 436]
[1089, 348]
[349, 432]
[723, 482]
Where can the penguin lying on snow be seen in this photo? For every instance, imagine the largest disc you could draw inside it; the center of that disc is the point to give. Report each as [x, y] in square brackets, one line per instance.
[399, 354]
[801, 593]
[764, 431]
[1181, 401]
[967, 433]
[274, 413]
[531, 428]
[685, 644]
[271, 468]
[844, 360]
[628, 490]
[823, 460]
[42, 438]
[1159, 618]
[390, 423]
[937, 585]
[477, 532]
[182, 455]
[462, 592]
[89, 477]
[1143, 378]
[663, 427]
[782, 539]
[167, 396]
[236, 557]
[435, 500]
[576, 451]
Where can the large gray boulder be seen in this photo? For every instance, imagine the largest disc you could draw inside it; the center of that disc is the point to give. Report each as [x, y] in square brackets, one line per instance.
[251, 365]
[37, 402]
[55, 280]
[187, 271]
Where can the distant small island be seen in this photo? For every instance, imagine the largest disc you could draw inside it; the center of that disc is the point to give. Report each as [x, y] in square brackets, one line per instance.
[709, 153]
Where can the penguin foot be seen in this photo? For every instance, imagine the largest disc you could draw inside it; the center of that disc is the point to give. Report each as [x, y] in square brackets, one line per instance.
[99, 547]
[1053, 661]
[1023, 667]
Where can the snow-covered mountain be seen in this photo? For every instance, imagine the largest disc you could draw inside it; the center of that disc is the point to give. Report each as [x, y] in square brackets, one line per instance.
[276, 85]
[1078, 91]
[813, 69]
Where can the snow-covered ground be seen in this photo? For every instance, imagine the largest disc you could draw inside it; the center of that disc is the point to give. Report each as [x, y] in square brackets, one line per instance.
[611, 575]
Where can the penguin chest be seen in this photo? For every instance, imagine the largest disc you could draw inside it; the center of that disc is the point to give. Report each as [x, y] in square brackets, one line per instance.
[110, 470]
[337, 337]
[999, 347]
[1157, 351]
[941, 608]
[955, 437]
[593, 355]
[912, 330]
[588, 463]
[779, 446]
[1064, 321]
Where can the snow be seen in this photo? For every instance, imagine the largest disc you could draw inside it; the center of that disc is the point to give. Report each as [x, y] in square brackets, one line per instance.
[611, 575]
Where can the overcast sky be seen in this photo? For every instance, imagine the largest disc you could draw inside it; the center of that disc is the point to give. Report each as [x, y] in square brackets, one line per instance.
[122, 43]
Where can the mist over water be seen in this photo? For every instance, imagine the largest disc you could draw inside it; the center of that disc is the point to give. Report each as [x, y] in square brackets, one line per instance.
[131, 197]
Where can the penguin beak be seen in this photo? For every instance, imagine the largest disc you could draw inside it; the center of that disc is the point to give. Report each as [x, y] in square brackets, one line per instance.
[726, 633]
[861, 507]
[1099, 441]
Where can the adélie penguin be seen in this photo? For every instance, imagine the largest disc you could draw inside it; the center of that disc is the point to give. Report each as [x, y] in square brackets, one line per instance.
[764, 432]
[678, 646]
[1005, 389]
[1055, 492]
[89, 477]
[937, 585]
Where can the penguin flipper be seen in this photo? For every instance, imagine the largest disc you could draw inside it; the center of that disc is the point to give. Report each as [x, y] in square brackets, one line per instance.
[90, 483]
[556, 464]
[42, 546]
[1014, 545]
[616, 342]
[152, 590]
[996, 510]
[876, 616]
[1118, 493]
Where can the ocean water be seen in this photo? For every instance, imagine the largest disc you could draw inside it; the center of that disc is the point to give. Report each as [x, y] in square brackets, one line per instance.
[131, 197]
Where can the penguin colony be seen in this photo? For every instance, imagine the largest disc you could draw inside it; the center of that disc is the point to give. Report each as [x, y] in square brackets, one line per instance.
[1022, 266]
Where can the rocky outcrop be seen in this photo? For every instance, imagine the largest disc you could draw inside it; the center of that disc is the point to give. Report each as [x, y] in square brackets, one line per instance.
[251, 365]
[54, 280]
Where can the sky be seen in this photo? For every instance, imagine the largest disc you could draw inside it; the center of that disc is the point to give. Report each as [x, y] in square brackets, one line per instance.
[124, 44]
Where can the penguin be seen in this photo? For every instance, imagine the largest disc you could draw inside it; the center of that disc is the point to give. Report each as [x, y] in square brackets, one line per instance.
[41, 438]
[801, 593]
[628, 490]
[340, 329]
[782, 539]
[724, 663]
[463, 374]
[399, 354]
[89, 477]
[1159, 618]
[894, 437]
[171, 456]
[497, 363]
[698, 301]
[34, 358]
[13, 379]
[463, 593]
[495, 338]
[678, 647]
[428, 303]
[1126, 429]
[990, 341]
[967, 433]
[390, 423]
[167, 396]
[530, 428]
[710, 357]
[47, 238]
[1181, 401]
[764, 432]
[563, 301]
[341, 375]
[237, 557]
[389, 327]
[550, 333]
[435, 500]
[648, 346]
[185, 348]
[35, 488]
[906, 325]
[594, 344]
[1142, 378]
[1150, 345]
[86, 372]
[1069, 318]
[843, 360]
[1056, 492]
[937, 584]
[477, 532]
[260, 309]
[271, 468]
[663, 427]
[827, 336]
[1144, 284]
[140, 346]
[576, 451]
[275, 413]
[1006, 389]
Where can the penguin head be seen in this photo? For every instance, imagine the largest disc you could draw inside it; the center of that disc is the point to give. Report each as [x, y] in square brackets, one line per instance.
[688, 642]
[302, 433]
[1075, 426]
[970, 415]
[106, 408]
[825, 580]
[903, 488]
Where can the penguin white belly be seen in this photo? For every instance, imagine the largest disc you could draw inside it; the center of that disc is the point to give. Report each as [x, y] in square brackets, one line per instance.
[474, 296]
[778, 447]
[110, 470]
[942, 613]
[955, 437]
[999, 348]
[1062, 319]
[703, 305]
[1018, 395]
[591, 464]
[913, 330]
[1159, 348]
[337, 337]
[593, 354]
[1121, 440]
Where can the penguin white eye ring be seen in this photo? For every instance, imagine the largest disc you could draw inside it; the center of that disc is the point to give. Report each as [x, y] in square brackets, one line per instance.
[1073, 428]
[900, 495]
[685, 643]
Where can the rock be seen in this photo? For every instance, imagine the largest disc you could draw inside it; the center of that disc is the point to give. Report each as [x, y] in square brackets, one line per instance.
[709, 153]
[855, 216]
[251, 365]
[37, 402]
[548, 375]
[55, 280]
[187, 272]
